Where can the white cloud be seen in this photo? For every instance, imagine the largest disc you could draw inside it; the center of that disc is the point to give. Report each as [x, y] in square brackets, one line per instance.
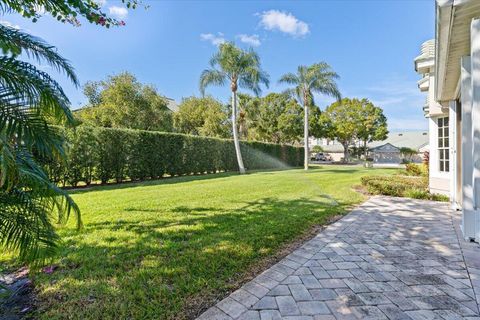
[284, 22]
[253, 40]
[9, 24]
[213, 39]
[118, 12]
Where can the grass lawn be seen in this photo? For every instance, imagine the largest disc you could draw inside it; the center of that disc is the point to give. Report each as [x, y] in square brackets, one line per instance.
[166, 249]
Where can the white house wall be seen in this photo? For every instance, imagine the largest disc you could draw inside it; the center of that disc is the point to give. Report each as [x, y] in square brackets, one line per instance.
[475, 134]
[439, 182]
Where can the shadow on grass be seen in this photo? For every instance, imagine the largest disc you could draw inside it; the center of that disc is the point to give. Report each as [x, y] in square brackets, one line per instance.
[170, 180]
[173, 265]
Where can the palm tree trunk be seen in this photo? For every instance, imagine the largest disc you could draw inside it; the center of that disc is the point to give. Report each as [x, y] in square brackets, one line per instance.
[235, 134]
[305, 136]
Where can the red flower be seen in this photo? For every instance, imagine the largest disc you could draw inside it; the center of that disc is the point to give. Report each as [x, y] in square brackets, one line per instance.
[101, 21]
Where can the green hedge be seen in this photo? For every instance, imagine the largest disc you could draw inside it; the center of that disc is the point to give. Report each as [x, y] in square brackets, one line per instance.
[106, 155]
[400, 186]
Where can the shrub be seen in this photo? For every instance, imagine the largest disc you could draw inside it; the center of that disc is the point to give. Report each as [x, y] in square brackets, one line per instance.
[415, 169]
[104, 154]
[400, 186]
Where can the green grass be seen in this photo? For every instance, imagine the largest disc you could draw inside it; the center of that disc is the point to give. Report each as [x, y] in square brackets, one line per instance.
[165, 249]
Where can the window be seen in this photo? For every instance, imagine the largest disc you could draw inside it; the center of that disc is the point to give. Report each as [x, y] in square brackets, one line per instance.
[443, 145]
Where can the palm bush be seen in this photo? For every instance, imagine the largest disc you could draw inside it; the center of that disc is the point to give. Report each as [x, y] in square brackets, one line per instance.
[30, 102]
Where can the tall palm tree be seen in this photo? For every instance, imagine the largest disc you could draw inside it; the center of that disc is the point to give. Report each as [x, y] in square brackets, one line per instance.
[320, 78]
[30, 100]
[241, 69]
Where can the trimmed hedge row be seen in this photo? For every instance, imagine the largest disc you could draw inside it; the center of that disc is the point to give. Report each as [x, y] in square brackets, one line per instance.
[103, 154]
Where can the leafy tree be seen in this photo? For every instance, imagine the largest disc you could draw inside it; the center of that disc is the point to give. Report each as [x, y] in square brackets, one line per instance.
[29, 97]
[317, 149]
[374, 126]
[123, 102]
[240, 69]
[319, 78]
[344, 120]
[277, 119]
[202, 116]
[247, 111]
[65, 11]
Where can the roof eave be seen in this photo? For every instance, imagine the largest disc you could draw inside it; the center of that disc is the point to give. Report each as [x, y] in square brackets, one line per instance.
[443, 26]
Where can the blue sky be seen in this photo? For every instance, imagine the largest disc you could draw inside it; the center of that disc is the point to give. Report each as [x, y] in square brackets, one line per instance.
[371, 44]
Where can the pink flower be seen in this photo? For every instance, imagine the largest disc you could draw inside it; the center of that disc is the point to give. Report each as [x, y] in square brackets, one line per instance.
[49, 269]
[101, 21]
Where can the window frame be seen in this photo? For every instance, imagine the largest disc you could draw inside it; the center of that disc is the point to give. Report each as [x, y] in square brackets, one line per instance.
[443, 147]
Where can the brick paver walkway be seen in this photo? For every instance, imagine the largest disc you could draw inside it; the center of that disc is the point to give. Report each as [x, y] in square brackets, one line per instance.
[388, 259]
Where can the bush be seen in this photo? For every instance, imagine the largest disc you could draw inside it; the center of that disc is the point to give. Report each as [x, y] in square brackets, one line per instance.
[400, 186]
[103, 154]
[416, 169]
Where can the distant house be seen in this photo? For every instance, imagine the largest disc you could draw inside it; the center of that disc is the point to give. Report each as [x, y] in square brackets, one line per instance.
[386, 151]
[171, 104]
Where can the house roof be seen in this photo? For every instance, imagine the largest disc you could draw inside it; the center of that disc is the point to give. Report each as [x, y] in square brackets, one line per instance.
[452, 41]
[171, 104]
[407, 139]
[333, 148]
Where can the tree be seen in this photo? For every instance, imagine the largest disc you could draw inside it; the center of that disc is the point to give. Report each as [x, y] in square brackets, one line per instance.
[344, 120]
[65, 11]
[317, 149]
[29, 97]
[374, 122]
[202, 116]
[319, 78]
[277, 119]
[247, 110]
[123, 102]
[30, 101]
[408, 153]
[241, 69]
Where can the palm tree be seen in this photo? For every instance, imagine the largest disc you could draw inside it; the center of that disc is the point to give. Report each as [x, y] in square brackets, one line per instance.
[319, 78]
[30, 101]
[241, 69]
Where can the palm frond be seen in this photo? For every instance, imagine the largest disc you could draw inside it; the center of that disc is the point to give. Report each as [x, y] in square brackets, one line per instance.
[289, 78]
[211, 77]
[34, 88]
[27, 211]
[29, 202]
[251, 79]
[15, 42]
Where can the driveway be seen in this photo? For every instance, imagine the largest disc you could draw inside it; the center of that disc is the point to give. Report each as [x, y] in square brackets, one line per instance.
[390, 258]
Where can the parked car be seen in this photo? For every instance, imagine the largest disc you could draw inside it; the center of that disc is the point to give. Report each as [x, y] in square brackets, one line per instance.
[322, 157]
